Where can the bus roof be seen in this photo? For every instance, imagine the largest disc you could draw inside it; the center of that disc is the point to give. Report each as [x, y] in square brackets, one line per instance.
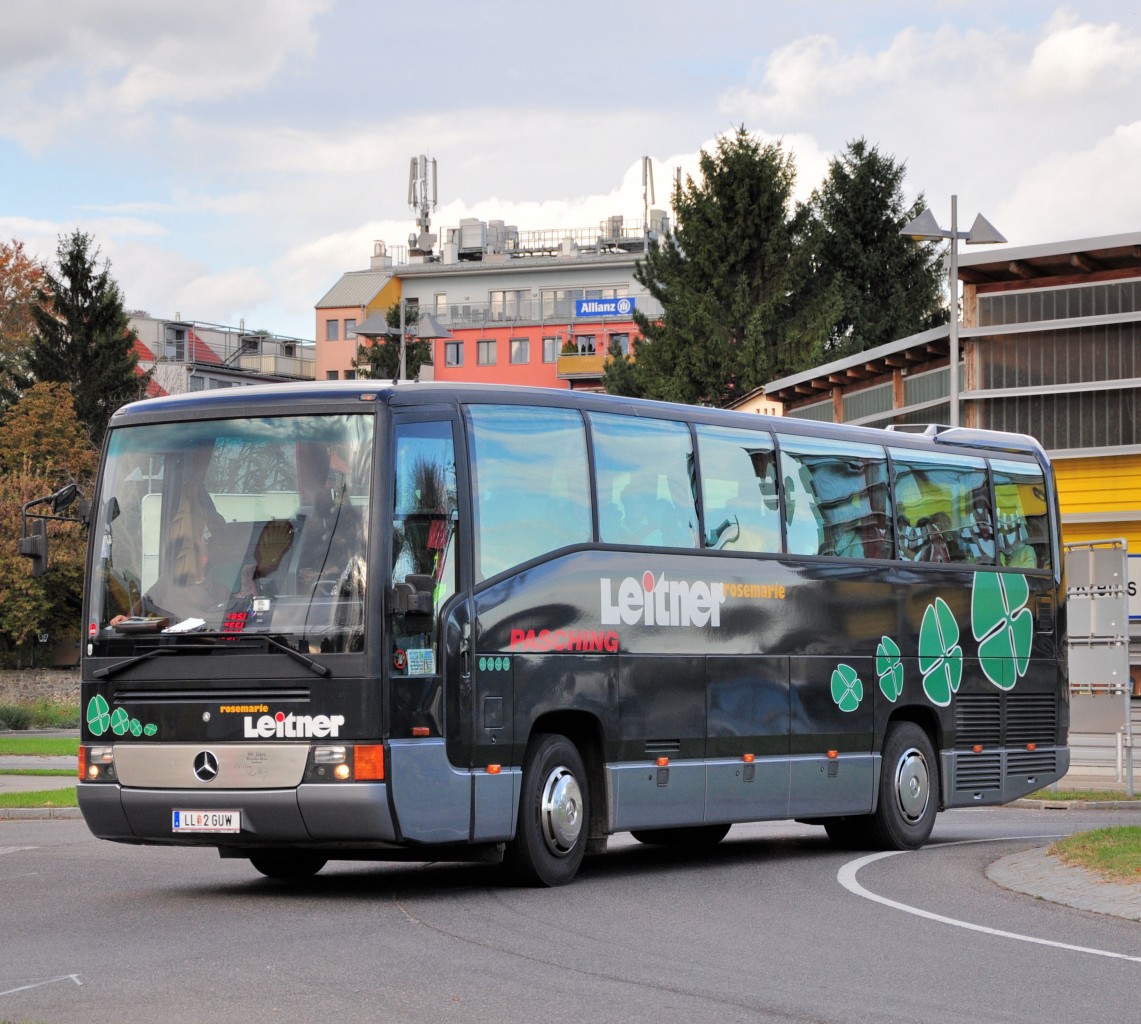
[280, 399]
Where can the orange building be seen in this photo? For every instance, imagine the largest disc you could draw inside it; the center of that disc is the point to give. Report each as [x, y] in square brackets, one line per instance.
[539, 308]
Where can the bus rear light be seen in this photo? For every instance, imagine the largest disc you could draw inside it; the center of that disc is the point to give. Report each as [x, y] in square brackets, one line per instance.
[329, 755]
[341, 772]
[421, 730]
[368, 762]
[82, 761]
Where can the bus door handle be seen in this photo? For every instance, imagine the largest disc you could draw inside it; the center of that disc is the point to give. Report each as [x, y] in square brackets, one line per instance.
[465, 651]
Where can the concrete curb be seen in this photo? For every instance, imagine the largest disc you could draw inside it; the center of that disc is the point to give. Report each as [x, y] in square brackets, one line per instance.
[1036, 873]
[1078, 805]
[38, 813]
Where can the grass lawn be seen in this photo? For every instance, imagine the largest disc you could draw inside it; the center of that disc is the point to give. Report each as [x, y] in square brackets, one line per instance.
[52, 746]
[41, 798]
[37, 771]
[1081, 794]
[1114, 853]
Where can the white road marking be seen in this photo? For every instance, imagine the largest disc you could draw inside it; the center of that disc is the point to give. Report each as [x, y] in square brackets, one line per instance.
[846, 876]
[40, 984]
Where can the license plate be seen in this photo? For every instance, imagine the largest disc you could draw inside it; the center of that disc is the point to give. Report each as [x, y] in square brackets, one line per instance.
[207, 821]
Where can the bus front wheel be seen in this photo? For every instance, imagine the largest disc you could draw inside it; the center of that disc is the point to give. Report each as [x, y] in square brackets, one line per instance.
[554, 814]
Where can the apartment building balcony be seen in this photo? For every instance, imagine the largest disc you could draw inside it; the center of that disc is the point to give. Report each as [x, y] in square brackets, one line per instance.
[579, 366]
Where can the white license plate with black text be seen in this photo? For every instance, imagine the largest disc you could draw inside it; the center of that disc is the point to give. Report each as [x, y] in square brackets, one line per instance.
[207, 821]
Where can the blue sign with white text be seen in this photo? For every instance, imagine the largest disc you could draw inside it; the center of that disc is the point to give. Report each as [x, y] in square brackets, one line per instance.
[623, 306]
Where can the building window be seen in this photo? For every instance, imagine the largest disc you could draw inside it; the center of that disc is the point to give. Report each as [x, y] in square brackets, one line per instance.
[623, 343]
[350, 328]
[350, 375]
[520, 350]
[453, 353]
[332, 330]
[550, 350]
[197, 382]
[485, 352]
[510, 305]
[176, 343]
[441, 300]
[584, 344]
[332, 375]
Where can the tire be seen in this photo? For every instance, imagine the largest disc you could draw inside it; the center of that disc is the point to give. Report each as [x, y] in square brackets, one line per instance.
[909, 788]
[288, 865]
[693, 837]
[554, 814]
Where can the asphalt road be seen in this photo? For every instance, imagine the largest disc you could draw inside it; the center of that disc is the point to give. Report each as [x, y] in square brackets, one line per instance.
[772, 925]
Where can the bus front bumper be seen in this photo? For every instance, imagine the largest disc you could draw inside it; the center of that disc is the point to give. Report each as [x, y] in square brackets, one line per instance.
[319, 813]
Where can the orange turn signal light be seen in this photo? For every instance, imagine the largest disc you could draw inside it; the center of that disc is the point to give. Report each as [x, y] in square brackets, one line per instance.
[1031, 746]
[977, 748]
[663, 762]
[368, 762]
[748, 758]
[494, 769]
[421, 730]
[833, 754]
[82, 761]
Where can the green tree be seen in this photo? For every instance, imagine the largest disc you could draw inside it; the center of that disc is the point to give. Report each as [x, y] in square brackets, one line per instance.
[883, 286]
[42, 446]
[83, 337]
[20, 277]
[729, 282]
[379, 358]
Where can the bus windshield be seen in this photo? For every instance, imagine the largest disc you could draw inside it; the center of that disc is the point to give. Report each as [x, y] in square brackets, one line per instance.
[243, 525]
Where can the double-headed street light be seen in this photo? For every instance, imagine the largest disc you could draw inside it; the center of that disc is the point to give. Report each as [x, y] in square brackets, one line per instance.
[926, 229]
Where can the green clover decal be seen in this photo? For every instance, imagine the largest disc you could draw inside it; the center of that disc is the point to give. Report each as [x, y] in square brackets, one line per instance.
[149, 729]
[98, 715]
[120, 722]
[889, 668]
[1003, 626]
[847, 690]
[940, 656]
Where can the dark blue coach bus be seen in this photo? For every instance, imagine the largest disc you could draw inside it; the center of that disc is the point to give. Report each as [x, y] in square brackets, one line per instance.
[421, 621]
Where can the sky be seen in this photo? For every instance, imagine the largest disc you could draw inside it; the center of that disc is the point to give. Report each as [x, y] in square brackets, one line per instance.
[232, 158]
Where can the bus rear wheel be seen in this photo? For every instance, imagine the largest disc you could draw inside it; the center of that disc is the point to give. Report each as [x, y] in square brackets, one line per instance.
[554, 814]
[288, 865]
[909, 786]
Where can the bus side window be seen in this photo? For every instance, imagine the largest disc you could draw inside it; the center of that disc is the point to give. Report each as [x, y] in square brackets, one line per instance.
[531, 485]
[645, 485]
[836, 498]
[943, 507]
[1023, 532]
[739, 489]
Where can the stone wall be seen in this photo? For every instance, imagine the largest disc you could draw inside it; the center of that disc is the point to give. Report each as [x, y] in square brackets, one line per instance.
[27, 686]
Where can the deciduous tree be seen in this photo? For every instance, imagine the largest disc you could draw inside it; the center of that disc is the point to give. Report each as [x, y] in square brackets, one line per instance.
[20, 277]
[379, 358]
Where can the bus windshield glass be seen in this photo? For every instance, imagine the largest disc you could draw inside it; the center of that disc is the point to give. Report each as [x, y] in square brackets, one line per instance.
[235, 526]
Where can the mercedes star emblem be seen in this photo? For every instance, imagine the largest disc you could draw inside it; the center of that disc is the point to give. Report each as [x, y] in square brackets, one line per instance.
[206, 766]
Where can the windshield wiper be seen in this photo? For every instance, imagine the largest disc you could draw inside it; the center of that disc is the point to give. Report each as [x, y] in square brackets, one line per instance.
[119, 666]
[239, 639]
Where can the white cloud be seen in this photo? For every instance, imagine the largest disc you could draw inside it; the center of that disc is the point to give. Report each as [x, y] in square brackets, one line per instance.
[1077, 57]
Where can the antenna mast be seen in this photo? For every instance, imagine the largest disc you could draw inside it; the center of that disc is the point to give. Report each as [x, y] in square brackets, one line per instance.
[422, 199]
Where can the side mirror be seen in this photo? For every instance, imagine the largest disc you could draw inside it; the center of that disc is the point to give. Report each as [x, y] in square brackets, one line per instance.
[63, 498]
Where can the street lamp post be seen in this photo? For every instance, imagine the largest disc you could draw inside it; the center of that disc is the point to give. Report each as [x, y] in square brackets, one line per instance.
[925, 228]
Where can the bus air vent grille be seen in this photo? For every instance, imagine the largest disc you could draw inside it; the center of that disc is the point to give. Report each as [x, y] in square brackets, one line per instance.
[1030, 762]
[974, 772]
[1031, 718]
[662, 748]
[978, 720]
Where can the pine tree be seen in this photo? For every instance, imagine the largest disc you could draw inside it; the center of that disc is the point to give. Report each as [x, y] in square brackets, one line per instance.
[728, 280]
[82, 335]
[887, 287]
[379, 358]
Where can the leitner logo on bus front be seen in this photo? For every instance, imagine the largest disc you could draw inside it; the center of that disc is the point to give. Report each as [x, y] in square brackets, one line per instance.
[283, 726]
[661, 602]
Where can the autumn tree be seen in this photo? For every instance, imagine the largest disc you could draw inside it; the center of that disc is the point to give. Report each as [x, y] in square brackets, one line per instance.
[42, 447]
[20, 278]
[83, 336]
